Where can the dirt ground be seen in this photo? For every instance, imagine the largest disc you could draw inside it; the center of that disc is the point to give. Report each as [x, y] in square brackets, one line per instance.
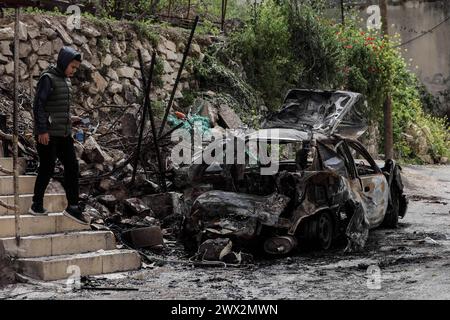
[411, 262]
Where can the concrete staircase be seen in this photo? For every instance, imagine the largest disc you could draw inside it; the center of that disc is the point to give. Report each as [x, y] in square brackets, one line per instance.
[50, 244]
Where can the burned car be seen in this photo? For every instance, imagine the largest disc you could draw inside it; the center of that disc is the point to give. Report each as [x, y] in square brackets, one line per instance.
[323, 186]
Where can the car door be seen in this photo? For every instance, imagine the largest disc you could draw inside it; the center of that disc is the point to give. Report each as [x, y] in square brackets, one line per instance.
[374, 186]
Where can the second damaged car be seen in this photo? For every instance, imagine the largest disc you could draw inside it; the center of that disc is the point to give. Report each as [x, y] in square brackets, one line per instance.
[325, 185]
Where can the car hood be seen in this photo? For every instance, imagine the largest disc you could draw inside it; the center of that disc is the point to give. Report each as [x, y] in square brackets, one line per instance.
[325, 112]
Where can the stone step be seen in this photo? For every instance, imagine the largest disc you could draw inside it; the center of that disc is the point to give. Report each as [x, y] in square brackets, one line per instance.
[7, 163]
[59, 244]
[52, 202]
[31, 225]
[26, 185]
[93, 263]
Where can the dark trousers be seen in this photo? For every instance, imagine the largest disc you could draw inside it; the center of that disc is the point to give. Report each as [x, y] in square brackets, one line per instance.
[58, 148]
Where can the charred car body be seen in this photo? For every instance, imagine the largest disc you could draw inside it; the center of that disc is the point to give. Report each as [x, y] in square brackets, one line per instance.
[326, 187]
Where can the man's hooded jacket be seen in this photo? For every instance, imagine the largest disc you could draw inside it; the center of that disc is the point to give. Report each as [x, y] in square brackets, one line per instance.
[54, 97]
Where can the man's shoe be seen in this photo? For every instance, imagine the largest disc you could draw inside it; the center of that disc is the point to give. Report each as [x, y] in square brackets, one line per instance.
[74, 213]
[37, 210]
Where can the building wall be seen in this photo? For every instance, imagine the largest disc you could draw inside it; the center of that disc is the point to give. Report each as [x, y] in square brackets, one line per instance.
[431, 52]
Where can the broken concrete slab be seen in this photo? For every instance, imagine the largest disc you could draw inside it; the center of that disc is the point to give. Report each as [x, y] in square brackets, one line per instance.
[209, 111]
[109, 201]
[135, 206]
[148, 237]
[93, 153]
[165, 204]
[229, 117]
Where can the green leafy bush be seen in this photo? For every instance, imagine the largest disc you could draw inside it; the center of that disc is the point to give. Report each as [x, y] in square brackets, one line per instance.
[291, 45]
[264, 49]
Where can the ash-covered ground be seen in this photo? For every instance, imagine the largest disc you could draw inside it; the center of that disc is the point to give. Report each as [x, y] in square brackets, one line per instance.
[411, 262]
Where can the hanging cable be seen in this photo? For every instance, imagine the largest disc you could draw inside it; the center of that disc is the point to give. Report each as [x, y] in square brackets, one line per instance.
[423, 33]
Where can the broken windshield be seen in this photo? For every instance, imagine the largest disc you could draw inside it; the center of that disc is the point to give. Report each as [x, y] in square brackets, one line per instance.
[325, 112]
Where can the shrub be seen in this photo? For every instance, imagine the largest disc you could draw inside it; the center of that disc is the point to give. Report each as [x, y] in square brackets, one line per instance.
[292, 45]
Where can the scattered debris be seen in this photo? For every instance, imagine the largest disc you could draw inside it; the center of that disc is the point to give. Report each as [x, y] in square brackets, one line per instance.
[149, 237]
[135, 206]
[7, 273]
[431, 241]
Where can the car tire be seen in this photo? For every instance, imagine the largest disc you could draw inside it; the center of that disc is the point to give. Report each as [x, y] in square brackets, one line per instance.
[392, 213]
[325, 231]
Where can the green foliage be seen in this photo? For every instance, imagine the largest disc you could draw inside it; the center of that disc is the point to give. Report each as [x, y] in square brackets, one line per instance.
[291, 45]
[145, 29]
[158, 108]
[188, 98]
[264, 49]
[157, 73]
[214, 74]
[104, 44]
[207, 27]
[314, 45]
[130, 58]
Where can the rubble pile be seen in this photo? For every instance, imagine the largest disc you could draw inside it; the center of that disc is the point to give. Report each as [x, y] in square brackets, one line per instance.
[107, 113]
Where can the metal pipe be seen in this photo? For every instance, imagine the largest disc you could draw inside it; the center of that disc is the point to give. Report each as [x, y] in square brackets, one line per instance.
[147, 87]
[172, 95]
[162, 174]
[5, 142]
[189, 9]
[15, 127]
[170, 131]
[147, 106]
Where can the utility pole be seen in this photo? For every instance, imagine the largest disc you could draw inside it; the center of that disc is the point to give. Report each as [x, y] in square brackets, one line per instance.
[387, 108]
[15, 136]
[15, 126]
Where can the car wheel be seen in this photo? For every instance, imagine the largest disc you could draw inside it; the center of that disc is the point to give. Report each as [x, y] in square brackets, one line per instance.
[325, 230]
[391, 217]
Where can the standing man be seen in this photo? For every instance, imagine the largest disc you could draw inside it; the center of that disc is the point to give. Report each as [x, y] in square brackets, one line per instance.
[53, 131]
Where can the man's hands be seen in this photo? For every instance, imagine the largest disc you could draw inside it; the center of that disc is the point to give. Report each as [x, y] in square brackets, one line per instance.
[44, 139]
